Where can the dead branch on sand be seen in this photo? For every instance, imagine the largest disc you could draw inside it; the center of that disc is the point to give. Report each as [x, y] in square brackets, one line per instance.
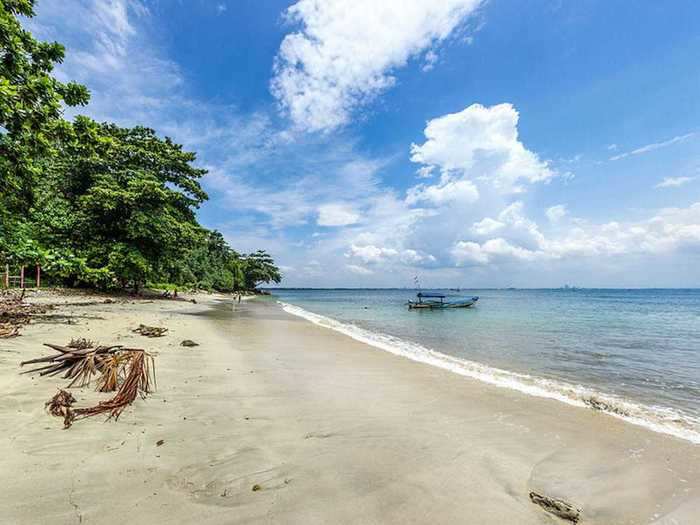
[559, 508]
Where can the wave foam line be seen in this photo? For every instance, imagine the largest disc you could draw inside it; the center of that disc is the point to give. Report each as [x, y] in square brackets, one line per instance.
[659, 419]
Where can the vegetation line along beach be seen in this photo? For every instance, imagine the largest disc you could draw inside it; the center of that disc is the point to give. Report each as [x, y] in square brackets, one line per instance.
[306, 262]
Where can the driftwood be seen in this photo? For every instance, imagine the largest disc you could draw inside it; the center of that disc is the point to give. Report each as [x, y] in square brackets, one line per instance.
[15, 313]
[558, 507]
[150, 331]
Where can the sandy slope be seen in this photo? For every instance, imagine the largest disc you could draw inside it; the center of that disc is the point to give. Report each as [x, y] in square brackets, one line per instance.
[330, 430]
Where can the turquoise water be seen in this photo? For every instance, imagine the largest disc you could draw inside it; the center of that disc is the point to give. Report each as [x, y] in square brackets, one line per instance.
[633, 353]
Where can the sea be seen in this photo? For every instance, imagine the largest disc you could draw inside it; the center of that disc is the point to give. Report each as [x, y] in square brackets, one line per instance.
[634, 354]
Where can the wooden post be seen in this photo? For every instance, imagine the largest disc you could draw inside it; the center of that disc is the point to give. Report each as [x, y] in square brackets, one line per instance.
[21, 277]
[7, 276]
[38, 276]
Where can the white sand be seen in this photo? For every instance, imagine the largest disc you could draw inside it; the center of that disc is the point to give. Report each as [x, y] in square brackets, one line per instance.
[330, 429]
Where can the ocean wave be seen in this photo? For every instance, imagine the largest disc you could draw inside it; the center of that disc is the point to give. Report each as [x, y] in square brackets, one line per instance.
[659, 419]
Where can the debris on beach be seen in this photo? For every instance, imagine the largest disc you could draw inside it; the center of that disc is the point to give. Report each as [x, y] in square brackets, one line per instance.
[128, 371]
[60, 406]
[150, 331]
[189, 342]
[558, 507]
[78, 364]
[604, 406]
[81, 343]
[15, 313]
[137, 382]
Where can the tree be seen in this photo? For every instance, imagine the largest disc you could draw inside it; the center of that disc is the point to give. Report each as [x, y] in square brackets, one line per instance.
[259, 268]
[31, 102]
[121, 199]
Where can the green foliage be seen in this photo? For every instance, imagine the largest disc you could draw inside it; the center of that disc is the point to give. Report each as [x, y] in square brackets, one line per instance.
[97, 204]
[31, 102]
[122, 199]
[259, 268]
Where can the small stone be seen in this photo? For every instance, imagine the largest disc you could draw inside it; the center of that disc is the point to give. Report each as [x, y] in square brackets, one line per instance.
[160, 442]
[189, 342]
[256, 487]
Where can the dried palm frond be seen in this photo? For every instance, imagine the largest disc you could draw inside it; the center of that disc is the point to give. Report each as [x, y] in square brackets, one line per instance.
[81, 343]
[137, 381]
[113, 372]
[79, 365]
[60, 406]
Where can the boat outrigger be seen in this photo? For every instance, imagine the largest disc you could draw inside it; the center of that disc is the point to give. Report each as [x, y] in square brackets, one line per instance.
[437, 300]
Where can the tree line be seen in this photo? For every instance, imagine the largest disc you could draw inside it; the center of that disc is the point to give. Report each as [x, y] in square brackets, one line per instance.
[96, 204]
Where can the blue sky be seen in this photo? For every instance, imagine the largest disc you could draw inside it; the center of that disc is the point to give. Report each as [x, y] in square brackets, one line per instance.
[472, 143]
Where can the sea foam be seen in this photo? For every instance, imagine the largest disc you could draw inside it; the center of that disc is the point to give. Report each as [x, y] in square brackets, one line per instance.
[659, 419]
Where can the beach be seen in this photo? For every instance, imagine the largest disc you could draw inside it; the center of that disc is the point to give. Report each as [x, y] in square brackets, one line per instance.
[272, 419]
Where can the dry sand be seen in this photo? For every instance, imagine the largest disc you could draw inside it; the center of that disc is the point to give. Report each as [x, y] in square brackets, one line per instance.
[329, 430]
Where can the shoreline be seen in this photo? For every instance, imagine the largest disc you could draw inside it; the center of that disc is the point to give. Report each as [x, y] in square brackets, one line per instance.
[664, 420]
[329, 429]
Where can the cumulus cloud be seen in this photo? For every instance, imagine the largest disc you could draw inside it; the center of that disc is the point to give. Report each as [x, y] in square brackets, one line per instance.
[481, 143]
[668, 230]
[370, 254]
[556, 213]
[487, 226]
[674, 182]
[493, 250]
[448, 190]
[336, 215]
[345, 51]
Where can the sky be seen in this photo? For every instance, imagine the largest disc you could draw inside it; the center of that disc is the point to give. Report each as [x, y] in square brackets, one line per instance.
[495, 143]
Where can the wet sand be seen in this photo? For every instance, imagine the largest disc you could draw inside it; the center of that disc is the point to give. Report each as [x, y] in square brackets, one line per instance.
[326, 429]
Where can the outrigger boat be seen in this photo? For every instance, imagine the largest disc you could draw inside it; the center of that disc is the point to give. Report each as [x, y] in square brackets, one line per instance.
[437, 300]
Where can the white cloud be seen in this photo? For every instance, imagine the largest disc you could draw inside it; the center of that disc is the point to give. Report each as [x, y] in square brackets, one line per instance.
[336, 215]
[668, 230]
[370, 254]
[556, 213]
[612, 147]
[468, 251]
[447, 191]
[492, 250]
[654, 146]
[481, 143]
[425, 172]
[345, 51]
[487, 226]
[674, 182]
[431, 59]
[359, 270]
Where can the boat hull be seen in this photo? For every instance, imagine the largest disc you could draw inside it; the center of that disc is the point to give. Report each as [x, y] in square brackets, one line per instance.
[437, 305]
